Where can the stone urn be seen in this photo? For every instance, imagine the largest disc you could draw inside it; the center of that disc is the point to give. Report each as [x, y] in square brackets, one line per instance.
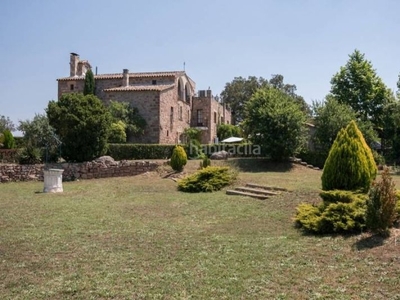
[53, 181]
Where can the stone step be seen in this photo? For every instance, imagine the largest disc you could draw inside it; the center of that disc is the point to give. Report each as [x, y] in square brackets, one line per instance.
[257, 196]
[256, 191]
[265, 187]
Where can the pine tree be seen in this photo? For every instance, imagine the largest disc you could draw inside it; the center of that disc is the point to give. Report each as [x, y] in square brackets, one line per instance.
[350, 164]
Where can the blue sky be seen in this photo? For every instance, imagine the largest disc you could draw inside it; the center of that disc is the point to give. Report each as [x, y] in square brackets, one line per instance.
[305, 41]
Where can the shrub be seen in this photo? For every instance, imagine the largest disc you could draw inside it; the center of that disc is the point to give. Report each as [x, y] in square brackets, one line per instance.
[381, 204]
[178, 158]
[350, 157]
[205, 162]
[341, 196]
[207, 180]
[117, 132]
[30, 155]
[332, 217]
[8, 140]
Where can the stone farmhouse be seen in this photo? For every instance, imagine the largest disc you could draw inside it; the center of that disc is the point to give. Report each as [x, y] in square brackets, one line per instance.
[167, 100]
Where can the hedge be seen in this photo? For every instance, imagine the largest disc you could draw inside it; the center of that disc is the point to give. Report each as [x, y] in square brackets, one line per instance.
[155, 151]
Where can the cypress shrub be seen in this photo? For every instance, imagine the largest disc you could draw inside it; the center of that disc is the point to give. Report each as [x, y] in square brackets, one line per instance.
[178, 158]
[350, 164]
[8, 142]
[381, 205]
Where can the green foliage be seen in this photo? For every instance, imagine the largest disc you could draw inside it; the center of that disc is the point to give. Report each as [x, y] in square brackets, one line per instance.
[89, 87]
[117, 132]
[140, 151]
[381, 204]
[225, 131]
[30, 155]
[8, 139]
[276, 122]
[6, 124]
[82, 123]
[135, 124]
[350, 164]
[357, 85]
[207, 180]
[332, 217]
[193, 134]
[38, 134]
[205, 162]
[238, 92]
[391, 131]
[178, 158]
[340, 196]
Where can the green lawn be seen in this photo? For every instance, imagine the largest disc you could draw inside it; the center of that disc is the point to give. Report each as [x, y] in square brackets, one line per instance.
[139, 238]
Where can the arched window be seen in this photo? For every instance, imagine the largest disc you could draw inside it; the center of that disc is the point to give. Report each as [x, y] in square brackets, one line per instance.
[187, 93]
[179, 90]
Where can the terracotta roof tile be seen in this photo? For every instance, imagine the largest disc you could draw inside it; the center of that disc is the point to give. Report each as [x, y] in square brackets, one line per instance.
[132, 88]
[131, 75]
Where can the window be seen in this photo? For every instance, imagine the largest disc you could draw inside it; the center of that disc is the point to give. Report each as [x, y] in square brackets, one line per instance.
[72, 87]
[199, 117]
[188, 116]
[154, 82]
[172, 115]
[180, 113]
[215, 117]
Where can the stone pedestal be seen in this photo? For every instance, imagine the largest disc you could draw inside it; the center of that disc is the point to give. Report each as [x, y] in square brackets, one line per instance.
[53, 181]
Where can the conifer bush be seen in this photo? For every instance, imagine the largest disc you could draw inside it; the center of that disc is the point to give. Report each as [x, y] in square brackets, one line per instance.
[350, 164]
[208, 179]
[178, 158]
[8, 140]
[382, 205]
[205, 162]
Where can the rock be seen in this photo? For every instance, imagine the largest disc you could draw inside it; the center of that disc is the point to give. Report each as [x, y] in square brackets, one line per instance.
[220, 155]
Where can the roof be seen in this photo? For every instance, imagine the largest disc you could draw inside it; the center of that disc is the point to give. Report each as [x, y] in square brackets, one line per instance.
[135, 88]
[131, 75]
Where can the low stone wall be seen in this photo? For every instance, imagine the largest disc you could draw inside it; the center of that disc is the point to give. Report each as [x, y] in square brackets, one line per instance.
[73, 171]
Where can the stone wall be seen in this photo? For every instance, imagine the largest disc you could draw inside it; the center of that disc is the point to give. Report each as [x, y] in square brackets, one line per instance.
[147, 102]
[73, 171]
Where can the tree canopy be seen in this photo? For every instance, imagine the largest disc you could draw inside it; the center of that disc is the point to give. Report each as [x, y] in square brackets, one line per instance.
[82, 122]
[6, 124]
[358, 85]
[238, 92]
[275, 122]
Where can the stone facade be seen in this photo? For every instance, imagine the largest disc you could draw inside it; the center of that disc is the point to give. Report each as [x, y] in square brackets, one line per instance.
[73, 171]
[208, 113]
[167, 100]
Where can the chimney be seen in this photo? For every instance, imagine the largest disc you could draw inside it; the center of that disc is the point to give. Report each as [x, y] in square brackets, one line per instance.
[125, 77]
[74, 59]
[209, 95]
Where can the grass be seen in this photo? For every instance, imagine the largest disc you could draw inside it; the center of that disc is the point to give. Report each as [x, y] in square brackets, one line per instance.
[139, 238]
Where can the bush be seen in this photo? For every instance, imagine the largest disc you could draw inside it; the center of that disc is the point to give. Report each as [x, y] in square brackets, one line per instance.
[207, 180]
[205, 162]
[140, 151]
[8, 140]
[350, 157]
[178, 158]
[30, 155]
[117, 132]
[381, 204]
[341, 196]
[332, 217]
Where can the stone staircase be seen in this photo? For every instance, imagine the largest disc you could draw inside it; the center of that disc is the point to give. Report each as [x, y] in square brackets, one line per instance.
[256, 191]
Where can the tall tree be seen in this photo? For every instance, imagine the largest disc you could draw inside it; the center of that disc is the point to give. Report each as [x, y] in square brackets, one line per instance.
[6, 124]
[238, 92]
[275, 122]
[39, 134]
[330, 117]
[89, 87]
[82, 123]
[277, 82]
[358, 85]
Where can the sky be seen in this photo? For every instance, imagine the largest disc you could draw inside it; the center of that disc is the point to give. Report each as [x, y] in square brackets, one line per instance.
[306, 41]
